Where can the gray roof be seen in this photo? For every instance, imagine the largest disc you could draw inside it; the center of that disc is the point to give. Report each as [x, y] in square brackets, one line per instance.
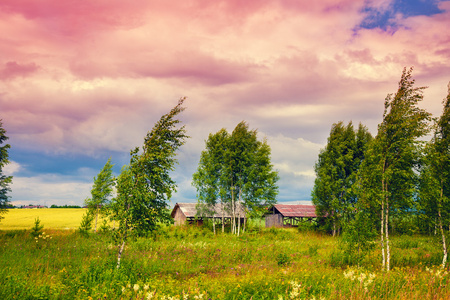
[299, 211]
[190, 211]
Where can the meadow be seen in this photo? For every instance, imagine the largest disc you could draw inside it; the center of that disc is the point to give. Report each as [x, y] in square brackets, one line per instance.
[192, 263]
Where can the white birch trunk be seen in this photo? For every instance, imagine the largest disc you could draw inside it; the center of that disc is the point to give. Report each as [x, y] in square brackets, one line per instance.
[388, 251]
[239, 213]
[96, 217]
[444, 244]
[223, 218]
[119, 256]
[233, 212]
[383, 192]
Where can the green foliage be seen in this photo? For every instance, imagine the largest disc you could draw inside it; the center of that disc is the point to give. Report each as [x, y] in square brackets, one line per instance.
[36, 230]
[235, 168]
[306, 226]
[333, 193]
[104, 227]
[283, 259]
[388, 175]
[86, 223]
[101, 192]
[358, 238]
[145, 186]
[5, 181]
[65, 206]
[434, 194]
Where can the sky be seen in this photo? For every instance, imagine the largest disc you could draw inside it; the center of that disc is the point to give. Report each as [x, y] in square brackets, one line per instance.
[82, 81]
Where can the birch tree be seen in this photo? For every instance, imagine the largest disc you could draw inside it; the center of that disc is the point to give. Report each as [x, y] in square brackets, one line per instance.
[145, 186]
[210, 174]
[101, 192]
[434, 193]
[235, 170]
[388, 174]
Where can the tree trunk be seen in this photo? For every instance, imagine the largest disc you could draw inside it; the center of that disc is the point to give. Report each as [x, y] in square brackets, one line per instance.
[383, 255]
[444, 244]
[96, 217]
[388, 251]
[383, 198]
[233, 212]
[334, 227]
[239, 213]
[119, 256]
[223, 218]
[214, 225]
[435, 226]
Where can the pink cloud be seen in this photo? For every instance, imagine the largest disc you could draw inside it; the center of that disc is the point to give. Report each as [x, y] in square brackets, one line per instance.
[12, 69]
[227, 56]
[184, 65]
[75, 17]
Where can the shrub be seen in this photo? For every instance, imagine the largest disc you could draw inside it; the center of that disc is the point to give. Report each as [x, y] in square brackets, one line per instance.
[36, 230]
[283, 259]
[86, 223]
[104, 227]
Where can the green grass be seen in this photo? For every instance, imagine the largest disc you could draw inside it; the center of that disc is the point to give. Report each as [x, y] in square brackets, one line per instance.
[192, 263]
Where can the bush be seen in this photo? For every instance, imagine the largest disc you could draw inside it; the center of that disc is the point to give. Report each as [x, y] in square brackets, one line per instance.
[104, 227]
[86, 223]
[36, 230]
[307, 226]
[283, 259]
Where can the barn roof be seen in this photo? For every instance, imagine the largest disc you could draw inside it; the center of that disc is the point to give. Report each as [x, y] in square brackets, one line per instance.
[190, 210]
[294, 211]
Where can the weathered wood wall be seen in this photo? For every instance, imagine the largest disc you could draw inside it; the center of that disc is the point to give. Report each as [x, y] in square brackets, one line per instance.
[275, 220]
[180, 218]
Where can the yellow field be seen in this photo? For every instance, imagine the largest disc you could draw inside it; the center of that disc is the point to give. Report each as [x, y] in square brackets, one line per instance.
[51, 218]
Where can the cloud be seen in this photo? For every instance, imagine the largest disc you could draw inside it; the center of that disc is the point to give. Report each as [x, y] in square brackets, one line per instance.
[11, 168]
[48, 190]
[12, 69]
[86, 80]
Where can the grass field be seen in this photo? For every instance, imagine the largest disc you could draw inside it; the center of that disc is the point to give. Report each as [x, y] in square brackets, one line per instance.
[55, 218]
[180, 263]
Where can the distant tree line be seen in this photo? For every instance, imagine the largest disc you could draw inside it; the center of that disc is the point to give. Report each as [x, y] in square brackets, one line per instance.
[395, 182]
[64, 206]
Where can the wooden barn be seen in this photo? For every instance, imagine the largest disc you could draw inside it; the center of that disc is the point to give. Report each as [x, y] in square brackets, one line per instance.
[286, 215]
[186, 213]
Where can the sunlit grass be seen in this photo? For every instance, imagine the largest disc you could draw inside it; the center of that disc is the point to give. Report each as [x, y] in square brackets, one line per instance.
[192, 263]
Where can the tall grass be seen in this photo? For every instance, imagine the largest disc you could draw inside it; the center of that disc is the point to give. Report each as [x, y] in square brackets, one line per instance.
[192, 263]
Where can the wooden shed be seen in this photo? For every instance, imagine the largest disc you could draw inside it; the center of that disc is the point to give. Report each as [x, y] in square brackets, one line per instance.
[287, 215]
[187, 213]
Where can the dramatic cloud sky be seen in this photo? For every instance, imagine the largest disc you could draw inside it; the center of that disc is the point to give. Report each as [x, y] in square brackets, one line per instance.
[82, 81]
